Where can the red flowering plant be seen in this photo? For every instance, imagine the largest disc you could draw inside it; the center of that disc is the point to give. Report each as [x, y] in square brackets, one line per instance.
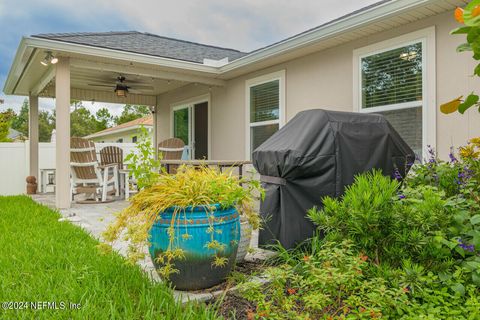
[469, 17]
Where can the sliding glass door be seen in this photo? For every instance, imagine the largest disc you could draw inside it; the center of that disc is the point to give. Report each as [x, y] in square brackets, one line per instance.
[190, 123]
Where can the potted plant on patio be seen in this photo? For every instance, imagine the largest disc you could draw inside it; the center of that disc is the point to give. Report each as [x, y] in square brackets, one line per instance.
[190, 220]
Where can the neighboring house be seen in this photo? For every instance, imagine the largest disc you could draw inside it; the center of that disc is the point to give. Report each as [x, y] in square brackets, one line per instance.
[395, 57]
[125, 132]
[15, 136]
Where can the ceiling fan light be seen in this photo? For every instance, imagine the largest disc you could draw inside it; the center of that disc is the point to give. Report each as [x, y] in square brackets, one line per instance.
[53, 60]
[121, 91]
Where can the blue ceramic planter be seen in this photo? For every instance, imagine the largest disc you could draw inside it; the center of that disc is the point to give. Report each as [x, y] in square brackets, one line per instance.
[196, 271]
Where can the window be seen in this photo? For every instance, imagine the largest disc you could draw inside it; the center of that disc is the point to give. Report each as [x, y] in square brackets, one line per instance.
[391, 78]
[120, 140]
[265, 108]
[134, 139]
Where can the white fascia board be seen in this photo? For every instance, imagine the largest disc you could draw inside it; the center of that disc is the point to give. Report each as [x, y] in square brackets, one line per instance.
[16, 69]
[328, 31]
[118, 54]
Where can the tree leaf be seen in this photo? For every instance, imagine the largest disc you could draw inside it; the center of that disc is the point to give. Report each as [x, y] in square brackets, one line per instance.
[472, 265]
[460, 251]
[458, 288]
[451, 106]
[471, 100]
[464, 47]
[461, 30]
[450, 244]
[476, 278]
[443, 276]
[477, 70]
[470, 18]
[475, 219]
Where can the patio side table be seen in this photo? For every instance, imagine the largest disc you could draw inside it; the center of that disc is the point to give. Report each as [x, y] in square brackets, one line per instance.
[125, 182]
[45, 180]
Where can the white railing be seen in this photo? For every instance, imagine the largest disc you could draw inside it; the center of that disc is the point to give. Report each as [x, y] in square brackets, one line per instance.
[15, 162]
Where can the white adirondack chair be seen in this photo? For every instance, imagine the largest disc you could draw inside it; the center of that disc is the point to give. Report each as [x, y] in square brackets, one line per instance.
[88, 176]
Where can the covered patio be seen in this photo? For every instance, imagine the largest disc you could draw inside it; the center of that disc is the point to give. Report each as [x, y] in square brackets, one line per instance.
[84, 67]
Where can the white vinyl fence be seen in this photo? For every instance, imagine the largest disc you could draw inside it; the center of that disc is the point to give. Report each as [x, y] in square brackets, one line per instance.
[14, 163]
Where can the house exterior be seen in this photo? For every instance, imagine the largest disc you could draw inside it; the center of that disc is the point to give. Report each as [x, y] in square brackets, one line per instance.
[395, 57]
[15, 136]
[127, 132]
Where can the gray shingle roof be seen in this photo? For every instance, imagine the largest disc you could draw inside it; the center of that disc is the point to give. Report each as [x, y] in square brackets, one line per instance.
[13, 134]
[147, 43]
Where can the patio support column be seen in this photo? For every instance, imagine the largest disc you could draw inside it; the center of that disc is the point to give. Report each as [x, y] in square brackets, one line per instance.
[33, 136]
[62, 107]
[155, 131]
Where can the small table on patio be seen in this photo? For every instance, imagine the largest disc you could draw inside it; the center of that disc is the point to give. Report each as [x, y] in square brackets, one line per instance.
[219, 163]
[125, 182]
[45, 180]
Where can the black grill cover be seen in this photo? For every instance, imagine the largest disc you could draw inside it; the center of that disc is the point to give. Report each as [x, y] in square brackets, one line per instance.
[317, 154]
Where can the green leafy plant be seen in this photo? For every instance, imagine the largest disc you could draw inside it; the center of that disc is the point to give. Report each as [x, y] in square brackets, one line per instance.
[440, 296]
[5, 124]
[142, 163]
[330, 282]
[387, 225]
[470, 18]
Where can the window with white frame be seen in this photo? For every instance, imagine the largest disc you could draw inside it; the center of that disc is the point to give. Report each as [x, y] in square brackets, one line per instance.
[391, 80]
[265, 108]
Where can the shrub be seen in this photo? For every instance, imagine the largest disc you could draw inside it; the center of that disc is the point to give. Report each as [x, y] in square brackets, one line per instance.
[142, 164]
[364, 214]
[331, 282]
[382, 222]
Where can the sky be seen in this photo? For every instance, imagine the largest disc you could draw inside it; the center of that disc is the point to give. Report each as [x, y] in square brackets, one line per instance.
[241, 24]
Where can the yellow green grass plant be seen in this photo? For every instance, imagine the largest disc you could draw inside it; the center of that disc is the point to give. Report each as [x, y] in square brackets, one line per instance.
[189, 187]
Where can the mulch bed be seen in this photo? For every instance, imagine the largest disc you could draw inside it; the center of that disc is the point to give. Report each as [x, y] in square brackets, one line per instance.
[235, 306]
[230, 304]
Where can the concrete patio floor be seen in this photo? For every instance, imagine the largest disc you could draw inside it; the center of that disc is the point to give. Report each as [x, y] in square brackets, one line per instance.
[94, 218]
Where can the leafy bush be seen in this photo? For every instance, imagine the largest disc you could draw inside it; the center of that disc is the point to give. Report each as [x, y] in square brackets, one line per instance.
[438, 296]
[382, 222]
[424, 235]
[330, 283]
[142, 164]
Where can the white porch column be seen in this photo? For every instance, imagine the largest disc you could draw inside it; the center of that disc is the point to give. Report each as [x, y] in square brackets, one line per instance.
[33, 136]
[62, 107]
[155, 131]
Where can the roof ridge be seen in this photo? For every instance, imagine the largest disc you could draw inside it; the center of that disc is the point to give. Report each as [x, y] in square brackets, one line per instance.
[191, 42]
[70, 34]
[108, 33]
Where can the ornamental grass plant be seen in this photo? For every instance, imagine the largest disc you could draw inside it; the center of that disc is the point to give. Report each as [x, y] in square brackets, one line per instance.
[189, 187]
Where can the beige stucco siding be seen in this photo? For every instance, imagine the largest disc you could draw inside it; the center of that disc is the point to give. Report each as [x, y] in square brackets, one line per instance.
[325, 80]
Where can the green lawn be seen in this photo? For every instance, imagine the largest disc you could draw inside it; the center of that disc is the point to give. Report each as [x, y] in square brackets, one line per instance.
[42, 259]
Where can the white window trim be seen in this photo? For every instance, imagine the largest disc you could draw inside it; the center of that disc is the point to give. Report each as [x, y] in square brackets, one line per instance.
[188, 103]
[428, 103]
[280, 76]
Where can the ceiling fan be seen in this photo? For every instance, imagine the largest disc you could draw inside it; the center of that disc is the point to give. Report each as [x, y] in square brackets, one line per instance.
[121, 88]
